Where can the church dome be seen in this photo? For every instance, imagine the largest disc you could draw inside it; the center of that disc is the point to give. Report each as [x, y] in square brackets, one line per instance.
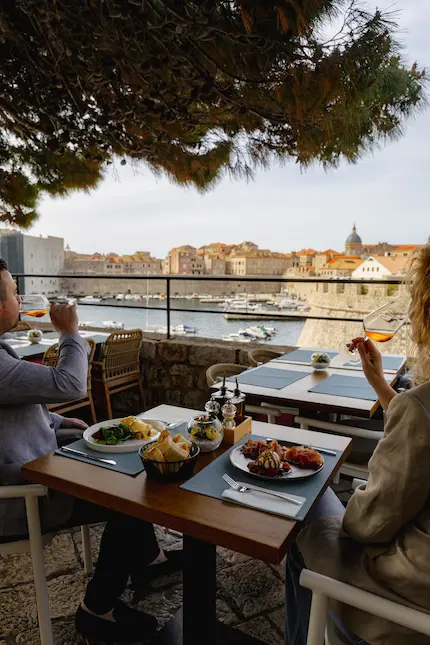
[354, 238]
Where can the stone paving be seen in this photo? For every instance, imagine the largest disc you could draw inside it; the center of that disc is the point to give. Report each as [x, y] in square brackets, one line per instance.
[250, 592]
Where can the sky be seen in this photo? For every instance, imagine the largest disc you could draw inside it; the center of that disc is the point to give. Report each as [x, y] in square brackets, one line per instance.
[386, 193]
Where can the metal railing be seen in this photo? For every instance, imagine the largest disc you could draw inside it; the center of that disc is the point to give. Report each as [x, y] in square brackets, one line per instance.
[217, 278]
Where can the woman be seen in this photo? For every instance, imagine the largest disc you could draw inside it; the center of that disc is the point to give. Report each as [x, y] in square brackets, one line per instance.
[381, 542]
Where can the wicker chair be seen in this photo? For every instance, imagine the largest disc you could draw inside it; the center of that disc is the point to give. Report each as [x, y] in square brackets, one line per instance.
[119, 365]
[260, 355]
[50, 358]
[215, 372]
[21, 326]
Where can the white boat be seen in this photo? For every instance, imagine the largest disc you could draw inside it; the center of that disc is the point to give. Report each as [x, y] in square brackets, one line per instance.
[184, 329]
[114, 324]
[120, 296]
[128, 296]
[88, 300]
[237, 338]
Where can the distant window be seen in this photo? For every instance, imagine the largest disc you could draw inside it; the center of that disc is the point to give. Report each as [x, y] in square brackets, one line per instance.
[377, 268]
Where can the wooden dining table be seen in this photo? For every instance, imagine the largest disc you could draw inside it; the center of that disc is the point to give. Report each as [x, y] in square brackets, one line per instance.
[298, 394]
[205, 522]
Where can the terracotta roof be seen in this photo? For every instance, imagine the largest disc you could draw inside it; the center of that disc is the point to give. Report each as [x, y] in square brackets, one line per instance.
[306, 252]
[343, 263]
[408, 247]
[394, 265]
[329, 252]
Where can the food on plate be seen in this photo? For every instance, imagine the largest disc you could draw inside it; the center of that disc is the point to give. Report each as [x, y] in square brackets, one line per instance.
[128, 428]
[304, 457]
[168, 448]
[273, 460]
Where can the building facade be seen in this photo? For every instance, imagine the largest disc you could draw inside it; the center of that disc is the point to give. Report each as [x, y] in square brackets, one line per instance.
[33, 254]
[385, 266]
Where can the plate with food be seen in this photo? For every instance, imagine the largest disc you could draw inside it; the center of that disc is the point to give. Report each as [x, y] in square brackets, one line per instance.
[276, 460]
[122, 435]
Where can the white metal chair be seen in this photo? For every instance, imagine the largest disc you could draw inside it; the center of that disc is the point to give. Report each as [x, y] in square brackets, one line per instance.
[34, 545]
[348, 468]
[324, 588]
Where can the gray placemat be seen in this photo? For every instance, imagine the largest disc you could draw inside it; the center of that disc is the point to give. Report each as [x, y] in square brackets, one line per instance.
[269, 377]
[128, 463]
[388, 363]
[302, 355]
[353, 387]
[209, 481]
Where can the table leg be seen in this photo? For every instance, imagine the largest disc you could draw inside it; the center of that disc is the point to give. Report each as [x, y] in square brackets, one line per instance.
[196, 624]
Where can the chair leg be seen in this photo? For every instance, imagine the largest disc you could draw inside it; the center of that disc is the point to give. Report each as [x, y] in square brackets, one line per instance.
[336, 478]
[86, 548]
[39, 573]
[108, 401]
[92, 408]
[318, 619]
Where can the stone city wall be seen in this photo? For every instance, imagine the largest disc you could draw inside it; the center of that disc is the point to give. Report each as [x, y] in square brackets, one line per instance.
[174, 371]
[105, 287]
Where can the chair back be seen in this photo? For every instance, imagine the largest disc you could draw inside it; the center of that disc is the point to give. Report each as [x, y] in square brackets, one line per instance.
[218, 371]
[257, 356]
[21, 326]
[52, 354]
[121, 354]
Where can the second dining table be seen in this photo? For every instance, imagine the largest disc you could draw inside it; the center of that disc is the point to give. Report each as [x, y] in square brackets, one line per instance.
[204, 521]
[335, 390]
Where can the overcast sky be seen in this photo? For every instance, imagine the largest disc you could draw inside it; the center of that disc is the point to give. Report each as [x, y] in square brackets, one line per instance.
[284, 209]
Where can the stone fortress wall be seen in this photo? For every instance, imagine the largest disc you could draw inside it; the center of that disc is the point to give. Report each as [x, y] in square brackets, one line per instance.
[336, 300]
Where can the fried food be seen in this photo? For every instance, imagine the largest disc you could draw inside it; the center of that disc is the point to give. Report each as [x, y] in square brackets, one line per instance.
[304, 457]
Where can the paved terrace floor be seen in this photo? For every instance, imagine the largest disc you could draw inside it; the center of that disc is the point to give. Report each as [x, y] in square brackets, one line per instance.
[260, 613]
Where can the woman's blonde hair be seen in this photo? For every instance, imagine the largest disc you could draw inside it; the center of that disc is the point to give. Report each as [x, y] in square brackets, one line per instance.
[419, 312]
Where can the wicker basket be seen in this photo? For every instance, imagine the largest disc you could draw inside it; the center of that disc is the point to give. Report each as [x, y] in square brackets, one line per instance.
[169, 471]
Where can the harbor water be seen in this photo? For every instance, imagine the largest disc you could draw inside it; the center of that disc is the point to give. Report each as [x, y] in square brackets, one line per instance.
[207, 325]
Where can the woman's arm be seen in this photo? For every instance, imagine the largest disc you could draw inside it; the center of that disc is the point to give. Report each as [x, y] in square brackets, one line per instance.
[371, 361]
[399, 482]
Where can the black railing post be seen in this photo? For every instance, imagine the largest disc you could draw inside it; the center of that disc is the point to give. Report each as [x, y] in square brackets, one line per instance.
[168, 307]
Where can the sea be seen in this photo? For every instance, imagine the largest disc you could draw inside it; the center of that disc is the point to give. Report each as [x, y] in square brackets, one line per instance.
[207, 325]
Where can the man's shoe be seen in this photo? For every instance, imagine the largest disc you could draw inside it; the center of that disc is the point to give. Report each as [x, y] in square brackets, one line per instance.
[129, 625]
[174, 562]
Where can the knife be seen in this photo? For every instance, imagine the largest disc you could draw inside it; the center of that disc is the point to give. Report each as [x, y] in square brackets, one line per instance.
[85, 454]
[284, 496]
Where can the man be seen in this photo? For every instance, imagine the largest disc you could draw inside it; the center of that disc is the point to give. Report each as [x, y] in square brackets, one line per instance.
[28, 431]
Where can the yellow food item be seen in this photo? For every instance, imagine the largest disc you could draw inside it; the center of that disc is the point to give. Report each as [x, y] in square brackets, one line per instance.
[168, 449]
[176, 453]
[154, 454]
[127, 421]
[182, 441]
[212, 434]
[139, 426]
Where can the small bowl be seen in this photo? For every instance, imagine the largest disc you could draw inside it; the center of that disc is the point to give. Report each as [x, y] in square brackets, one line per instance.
[35, 336]
[169, 471]
[318, 365]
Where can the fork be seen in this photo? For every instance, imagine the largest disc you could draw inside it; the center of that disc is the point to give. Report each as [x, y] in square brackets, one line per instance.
[242, 489]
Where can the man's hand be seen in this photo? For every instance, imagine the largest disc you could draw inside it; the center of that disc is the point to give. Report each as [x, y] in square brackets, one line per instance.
[74, 423]
[64, 318]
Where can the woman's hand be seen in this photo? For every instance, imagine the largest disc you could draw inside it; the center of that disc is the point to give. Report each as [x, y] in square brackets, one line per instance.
[371, 361]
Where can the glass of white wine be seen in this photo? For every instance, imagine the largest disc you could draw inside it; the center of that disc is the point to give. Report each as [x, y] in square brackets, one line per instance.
[36, 305]
[380, 325]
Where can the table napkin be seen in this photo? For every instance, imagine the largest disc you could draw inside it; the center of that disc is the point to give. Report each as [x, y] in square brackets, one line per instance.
[263, 502]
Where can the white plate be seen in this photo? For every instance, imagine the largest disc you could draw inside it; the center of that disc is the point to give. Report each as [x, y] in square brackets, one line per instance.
[238, 459]
[132, 445]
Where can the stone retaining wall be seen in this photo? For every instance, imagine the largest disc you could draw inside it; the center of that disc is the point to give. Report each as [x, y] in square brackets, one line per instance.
[174, 371]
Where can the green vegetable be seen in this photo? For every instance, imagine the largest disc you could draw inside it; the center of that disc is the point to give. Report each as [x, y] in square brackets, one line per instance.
[114, 435]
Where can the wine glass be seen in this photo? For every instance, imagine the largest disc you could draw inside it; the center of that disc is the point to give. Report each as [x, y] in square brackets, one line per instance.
[36, 305]
[380, 325]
